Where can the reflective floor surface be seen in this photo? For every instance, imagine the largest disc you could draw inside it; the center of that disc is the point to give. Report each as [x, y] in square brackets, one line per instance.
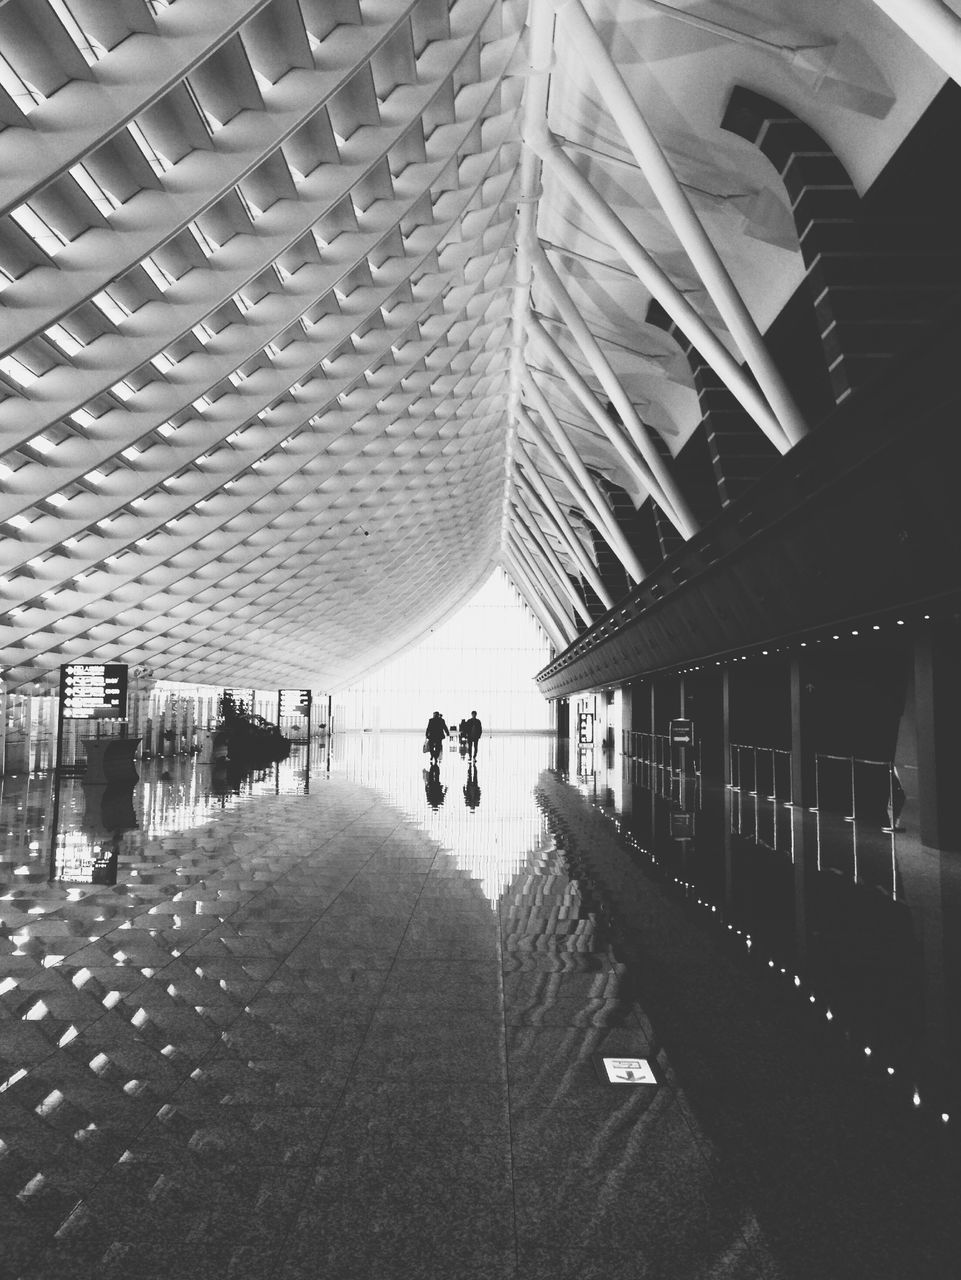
[346, 1018]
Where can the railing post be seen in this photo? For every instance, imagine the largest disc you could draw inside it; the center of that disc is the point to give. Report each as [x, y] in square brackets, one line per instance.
[894, 823]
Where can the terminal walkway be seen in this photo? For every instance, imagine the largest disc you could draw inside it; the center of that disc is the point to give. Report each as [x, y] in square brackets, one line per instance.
[346, 1022]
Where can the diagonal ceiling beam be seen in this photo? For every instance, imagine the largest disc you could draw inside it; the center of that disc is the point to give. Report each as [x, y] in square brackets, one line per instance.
[534, 485]
[528, 524]
[659, 284]
[673, 499]
[680, 212]
[596, 499]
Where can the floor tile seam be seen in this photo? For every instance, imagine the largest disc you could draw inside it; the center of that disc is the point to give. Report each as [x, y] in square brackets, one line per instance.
[283, 1250]
[345, 887]
[507, 1085]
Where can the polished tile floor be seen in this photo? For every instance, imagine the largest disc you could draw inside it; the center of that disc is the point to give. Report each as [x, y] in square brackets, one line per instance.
[345, 1020]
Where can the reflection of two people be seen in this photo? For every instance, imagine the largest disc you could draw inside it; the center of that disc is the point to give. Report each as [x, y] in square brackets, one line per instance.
[472, 791]
[433, 787]
[435, 791]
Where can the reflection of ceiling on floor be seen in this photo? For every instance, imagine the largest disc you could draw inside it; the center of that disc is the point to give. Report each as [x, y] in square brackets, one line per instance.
[262, 380]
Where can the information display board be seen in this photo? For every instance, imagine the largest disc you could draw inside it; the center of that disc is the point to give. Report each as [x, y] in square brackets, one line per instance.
[293, 702]
[682, 733]
[93, 689]
[585, 728]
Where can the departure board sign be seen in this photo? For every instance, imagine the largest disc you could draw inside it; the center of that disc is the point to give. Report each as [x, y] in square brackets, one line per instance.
[295, 702]
[89, 689]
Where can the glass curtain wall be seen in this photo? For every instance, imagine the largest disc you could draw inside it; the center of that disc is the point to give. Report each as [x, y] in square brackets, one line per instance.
[484, 659]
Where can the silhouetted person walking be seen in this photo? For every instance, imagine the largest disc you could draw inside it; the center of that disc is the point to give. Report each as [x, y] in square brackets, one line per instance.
[435, 733]
[473, 730]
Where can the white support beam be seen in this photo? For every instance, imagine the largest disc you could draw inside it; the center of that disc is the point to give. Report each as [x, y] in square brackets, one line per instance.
[541, 53]
[530, 597]
[529, 525]
[680, 212]
[534, 601]
[598, 500]
[578, 384]
[661, 287]
[933, 27]
[533, 483]
[539, 578]
[672, 500]
[586, 501]
[637, 466]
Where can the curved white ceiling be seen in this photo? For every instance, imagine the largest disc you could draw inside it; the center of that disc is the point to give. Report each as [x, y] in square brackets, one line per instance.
[264, 327]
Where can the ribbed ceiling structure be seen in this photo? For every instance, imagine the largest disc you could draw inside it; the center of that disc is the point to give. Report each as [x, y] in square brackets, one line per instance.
[313, 311]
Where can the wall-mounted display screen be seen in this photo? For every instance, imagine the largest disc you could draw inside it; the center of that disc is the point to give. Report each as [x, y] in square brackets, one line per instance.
[93, 689]
[294, 702]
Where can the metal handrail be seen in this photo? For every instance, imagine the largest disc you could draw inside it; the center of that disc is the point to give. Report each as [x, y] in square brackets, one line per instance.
[775, 753]
[854, 761]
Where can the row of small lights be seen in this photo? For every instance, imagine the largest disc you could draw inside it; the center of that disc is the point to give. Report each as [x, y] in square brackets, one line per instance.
[789, 648]
[743, 657]
[691, 889]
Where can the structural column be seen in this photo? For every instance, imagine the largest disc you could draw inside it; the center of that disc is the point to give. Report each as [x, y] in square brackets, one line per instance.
[937, 683]
[802, 754]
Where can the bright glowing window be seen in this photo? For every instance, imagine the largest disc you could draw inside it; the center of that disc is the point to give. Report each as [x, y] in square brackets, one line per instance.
[484, 658]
